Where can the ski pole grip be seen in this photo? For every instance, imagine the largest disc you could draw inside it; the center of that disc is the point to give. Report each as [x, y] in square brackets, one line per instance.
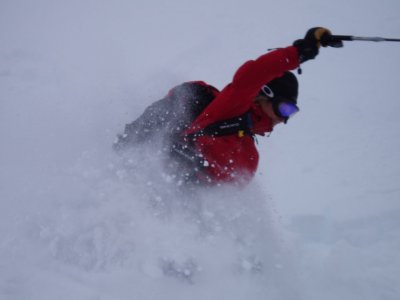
[333, 40]
[342, 37]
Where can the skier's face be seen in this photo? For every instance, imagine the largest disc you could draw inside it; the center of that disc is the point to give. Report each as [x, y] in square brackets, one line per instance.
[267, 108]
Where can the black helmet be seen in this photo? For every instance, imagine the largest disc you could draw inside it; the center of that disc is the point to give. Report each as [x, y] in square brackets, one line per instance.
[285, 86]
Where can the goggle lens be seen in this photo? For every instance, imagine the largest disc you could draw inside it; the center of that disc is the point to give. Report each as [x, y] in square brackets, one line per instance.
[287, 109]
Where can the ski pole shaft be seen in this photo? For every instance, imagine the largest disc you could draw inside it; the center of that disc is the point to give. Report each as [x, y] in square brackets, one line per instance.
[362, 38]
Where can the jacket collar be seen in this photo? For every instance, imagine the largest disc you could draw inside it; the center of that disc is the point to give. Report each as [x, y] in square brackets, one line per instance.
[261, 122]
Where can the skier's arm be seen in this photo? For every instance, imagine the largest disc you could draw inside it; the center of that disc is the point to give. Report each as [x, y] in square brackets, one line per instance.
[237, 97]
[252, 75]
[255, 73]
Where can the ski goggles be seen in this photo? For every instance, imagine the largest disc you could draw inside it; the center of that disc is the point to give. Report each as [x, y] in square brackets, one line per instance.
[284, 108]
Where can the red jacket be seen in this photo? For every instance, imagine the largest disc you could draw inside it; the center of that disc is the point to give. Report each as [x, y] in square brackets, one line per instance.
[232, 158]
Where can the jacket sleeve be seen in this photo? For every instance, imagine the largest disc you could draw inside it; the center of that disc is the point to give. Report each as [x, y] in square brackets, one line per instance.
[236, 98]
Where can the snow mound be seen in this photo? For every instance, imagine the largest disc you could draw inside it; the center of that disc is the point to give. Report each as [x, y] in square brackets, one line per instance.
[126, 218]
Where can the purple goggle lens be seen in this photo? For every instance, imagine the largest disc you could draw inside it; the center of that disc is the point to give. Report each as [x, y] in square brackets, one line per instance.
[287, 109]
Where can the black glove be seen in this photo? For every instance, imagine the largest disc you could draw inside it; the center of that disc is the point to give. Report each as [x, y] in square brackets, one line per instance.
[308, 47]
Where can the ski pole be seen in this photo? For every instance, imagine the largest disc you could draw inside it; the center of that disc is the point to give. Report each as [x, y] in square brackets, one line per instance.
[363, 38]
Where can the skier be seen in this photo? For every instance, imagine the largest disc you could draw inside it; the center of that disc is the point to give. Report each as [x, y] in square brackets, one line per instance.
[209, 135]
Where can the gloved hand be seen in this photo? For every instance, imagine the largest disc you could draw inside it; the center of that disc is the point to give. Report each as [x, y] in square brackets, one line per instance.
[308, 47]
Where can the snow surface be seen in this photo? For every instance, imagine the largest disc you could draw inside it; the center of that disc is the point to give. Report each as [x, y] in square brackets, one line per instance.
[321, 219]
